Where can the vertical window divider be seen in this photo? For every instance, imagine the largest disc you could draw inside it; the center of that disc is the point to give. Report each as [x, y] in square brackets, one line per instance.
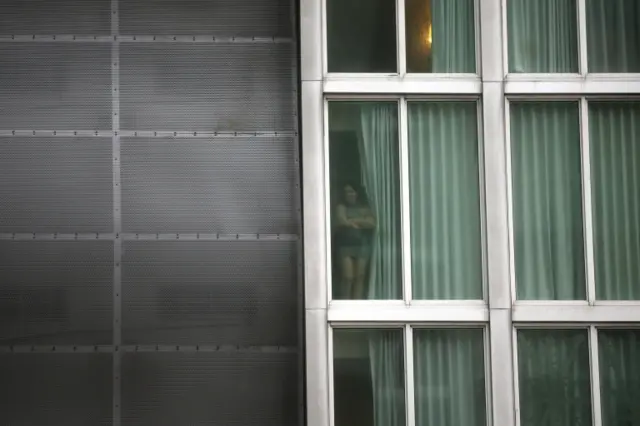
[327, 198]
[401, 38]
[409, 376]
[582, 37]
[586, 200]
[511, 234]
[330, 380]
[595, 375]
[405, 202]
[516, 374]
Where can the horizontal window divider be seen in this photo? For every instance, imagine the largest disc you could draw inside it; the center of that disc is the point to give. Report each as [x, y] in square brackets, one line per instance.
[582, 86]
[572, 313]
[438, 86]
[389, 312]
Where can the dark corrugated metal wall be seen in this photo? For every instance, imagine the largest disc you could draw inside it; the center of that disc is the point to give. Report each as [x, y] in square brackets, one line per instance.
[149, 213]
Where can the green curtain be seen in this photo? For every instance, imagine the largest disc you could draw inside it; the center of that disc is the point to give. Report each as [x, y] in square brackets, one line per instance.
[613, 35]
[614, 129]
[449, 377]
[386, 352]
[547, 200]
[554, 379]
[619, 376]
[445, 200]
[543, 36]
[453, 35]
[379, 164]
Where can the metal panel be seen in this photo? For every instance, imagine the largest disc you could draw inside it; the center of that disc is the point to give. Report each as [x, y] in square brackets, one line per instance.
[204, 292]
[48, 17]
[209, 388]
[209, 185]
[70, 389]
[55, 292]
[55, 184]
[206, 87]
[63, 86]
[210, 17]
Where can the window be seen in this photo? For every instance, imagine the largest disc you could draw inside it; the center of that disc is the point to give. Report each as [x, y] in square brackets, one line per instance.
[449, 377]
[371, 380]
[365, 200]
[547, 200]
[614, 129]
[619, 376]
[542, 36]
[613, 35]
[362, 36]
[440, 36]
[445, 200]
[554, 384]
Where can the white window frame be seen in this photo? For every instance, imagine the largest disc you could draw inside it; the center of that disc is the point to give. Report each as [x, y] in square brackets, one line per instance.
[581, 83]
[402, 81]
[409, 360]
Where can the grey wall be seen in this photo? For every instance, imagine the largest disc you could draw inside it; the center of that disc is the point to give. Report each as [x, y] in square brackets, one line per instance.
[150, 220]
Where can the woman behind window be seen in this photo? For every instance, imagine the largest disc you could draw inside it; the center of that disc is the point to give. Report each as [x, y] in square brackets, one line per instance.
[355, 224]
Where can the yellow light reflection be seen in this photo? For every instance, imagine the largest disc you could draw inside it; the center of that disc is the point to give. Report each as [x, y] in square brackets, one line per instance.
[428, 40]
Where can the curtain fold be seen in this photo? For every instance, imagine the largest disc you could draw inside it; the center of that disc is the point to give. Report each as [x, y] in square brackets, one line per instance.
[445, 200]
[449, 377]
[613, 35]
[554, 379]
[453, 36]
[543, 36]
[380, 174]
[547, 201]
[619, 376]
[614, 129]
[387, 375]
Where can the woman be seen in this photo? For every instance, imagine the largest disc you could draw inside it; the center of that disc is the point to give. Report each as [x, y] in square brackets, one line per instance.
[355, 223]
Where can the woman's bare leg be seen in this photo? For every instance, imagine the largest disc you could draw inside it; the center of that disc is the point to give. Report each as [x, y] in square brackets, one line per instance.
[347, 265]
[361, 273]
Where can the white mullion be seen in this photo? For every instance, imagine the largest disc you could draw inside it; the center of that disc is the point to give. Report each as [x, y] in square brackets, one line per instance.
[405, 206]
[586, 196]
[512, 266]
[582, 36]
[516, 373]
[595, 376]
[409, 376]
[401, 38]
[327, 200]
[331, 380]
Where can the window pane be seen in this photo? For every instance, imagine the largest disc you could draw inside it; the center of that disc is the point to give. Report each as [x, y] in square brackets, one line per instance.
[554, 380]
[543, 36]
[614, 129]
[361, 36]
[613, 35]
[440, 36]
[619, 376]
[445, 200]
[365, 200]
[368, 369]
[547, 201]
[449, 378]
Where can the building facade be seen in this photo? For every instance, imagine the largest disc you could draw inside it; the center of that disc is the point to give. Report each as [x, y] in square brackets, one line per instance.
[471, 175]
